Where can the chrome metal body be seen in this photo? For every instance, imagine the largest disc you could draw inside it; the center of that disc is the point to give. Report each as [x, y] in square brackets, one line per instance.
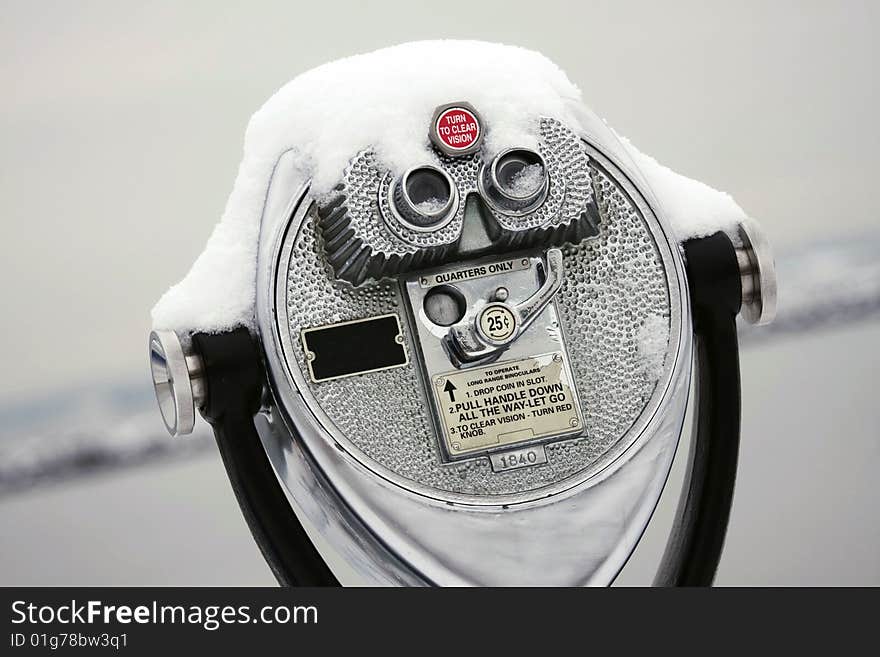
[391, 530]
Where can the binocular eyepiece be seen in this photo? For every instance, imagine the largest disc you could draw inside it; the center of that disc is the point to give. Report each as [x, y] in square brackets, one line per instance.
[425, 198]
[515, 182]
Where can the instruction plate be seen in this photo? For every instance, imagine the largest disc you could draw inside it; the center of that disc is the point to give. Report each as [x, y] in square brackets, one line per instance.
[506, 403]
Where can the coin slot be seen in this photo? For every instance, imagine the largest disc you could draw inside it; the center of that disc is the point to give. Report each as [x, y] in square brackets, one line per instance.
[444, 305]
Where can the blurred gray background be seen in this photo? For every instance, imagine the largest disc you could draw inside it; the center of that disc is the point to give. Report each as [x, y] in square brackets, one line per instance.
[121, 127]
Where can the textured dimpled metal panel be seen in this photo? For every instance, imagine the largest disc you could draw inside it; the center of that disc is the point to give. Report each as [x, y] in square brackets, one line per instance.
[615, 287]
[362, 246]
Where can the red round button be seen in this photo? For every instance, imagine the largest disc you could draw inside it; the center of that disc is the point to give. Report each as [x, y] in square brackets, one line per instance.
[457, 128]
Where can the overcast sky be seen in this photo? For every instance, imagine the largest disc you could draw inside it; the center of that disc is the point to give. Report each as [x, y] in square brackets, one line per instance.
[121, 128]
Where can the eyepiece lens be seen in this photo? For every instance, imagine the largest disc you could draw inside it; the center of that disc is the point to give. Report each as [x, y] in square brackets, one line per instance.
[516, 182]
[424, 197]
[428, 190]
[520, 174]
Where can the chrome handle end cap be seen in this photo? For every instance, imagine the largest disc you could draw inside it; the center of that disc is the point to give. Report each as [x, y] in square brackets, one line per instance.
[758, 274]
[177, 381]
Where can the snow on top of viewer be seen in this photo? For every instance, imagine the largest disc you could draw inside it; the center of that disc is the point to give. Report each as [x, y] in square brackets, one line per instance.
[385, 100]
[693, 208]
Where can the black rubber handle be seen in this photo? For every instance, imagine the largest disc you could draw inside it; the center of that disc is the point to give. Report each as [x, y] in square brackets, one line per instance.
[694, 548]
[234, 387]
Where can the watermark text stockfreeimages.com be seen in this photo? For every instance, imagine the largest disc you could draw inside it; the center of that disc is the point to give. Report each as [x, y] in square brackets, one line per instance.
[209, 617]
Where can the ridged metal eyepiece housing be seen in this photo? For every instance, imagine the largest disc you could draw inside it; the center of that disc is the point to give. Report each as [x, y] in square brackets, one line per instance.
[379, 223]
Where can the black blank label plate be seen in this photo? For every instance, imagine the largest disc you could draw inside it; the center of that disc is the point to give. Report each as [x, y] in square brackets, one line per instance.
[356, 347]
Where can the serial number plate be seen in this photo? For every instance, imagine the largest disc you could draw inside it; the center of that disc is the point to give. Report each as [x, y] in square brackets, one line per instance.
[524, 457]
[506, 404]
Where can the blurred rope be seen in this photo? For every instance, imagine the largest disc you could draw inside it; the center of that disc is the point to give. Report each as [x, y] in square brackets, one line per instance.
[85, 432]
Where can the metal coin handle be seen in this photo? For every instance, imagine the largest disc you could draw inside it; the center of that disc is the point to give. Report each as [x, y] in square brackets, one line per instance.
[500, 323]
[497, 322]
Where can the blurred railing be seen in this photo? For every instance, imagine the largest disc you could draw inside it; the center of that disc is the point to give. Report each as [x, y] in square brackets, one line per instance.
[83, 432]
